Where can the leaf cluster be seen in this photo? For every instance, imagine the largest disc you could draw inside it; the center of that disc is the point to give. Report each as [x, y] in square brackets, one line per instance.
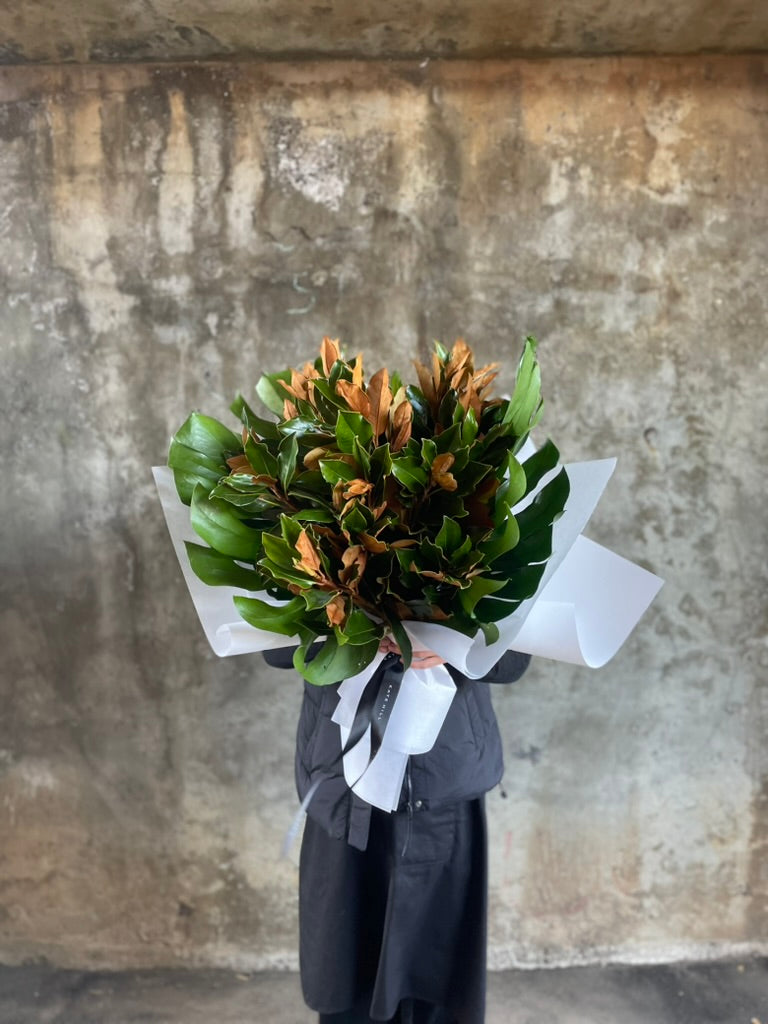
[363, 504]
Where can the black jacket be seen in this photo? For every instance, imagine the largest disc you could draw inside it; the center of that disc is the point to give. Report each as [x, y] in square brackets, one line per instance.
[465, 762]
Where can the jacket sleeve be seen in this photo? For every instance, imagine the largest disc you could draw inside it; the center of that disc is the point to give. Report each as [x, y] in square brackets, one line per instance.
[279, 657]
[508, 668]
[282, 657]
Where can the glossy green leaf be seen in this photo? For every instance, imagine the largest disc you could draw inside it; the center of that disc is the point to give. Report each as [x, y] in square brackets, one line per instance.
[409, 473]
[286, 460]
[204, 434]
[264, 428]
[219, 570]
[351, 426]
[271, 393]
[334, 470]
[283, 619]
[220, 527]
[334, 661]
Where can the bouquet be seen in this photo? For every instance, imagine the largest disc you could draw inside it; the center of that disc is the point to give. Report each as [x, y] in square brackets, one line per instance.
[361, 505]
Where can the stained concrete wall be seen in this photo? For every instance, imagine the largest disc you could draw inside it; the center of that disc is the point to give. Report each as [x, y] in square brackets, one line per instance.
[169, 232]
[175, 30]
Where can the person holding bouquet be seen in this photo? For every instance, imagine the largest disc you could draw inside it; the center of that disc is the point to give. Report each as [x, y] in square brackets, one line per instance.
[393, 906]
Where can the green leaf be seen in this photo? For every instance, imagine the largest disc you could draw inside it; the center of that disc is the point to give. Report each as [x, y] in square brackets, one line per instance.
[356, 521]
[490, 631]
[359, 629]
[310, 429]
[511, 490]
[428, 452]
[524, 409]
[450, 536]
[403, 641]
[291, 530]
[314, 598]
[502, 539]
[204, 434]
[547, 506]
[469, 428]
[381, 458]
[351, 426]
[334, 661]
[261, 459]
[449, 439]
[222, 529]
[314, 515]
[286, 460]
[334, 470]
[278, 550]
[480, 587]
[283, 619]
[409, 473]
[421, 416]
[540, 463]
[219, 570]
[270, 392]
[265, 428]
[523, 582]
[363, 458]
[191, 468]
[491, 610]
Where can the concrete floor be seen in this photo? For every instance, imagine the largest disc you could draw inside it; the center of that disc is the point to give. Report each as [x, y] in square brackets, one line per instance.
[725, 993]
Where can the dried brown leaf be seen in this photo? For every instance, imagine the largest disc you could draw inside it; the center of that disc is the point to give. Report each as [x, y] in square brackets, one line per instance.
[401, 425]
[239, 464]
[439, 473]
[311, 459]
[357, 371]
[372, 544]
[426, 383]
[355, 397]
[353, 561]
[329, 353]
[357, 487]
[310, 560]
[336, 611]
[290, 411]
[380, 399]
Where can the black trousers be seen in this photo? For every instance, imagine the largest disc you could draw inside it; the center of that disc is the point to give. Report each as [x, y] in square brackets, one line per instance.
[396, 933]
[411, 1011]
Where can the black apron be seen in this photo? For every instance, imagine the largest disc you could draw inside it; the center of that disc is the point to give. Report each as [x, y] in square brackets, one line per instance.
[397, 931]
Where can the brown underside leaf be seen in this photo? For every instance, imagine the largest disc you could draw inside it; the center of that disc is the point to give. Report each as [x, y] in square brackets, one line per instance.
[357, 487]
[426, 383]
[336, 611]
[329, 353]
[239, 464]
[353, 561]
[311, 459]
[401, 425]
[357, 371]
[310, 560]
[290, 412]
[439, 473]
[355, 397]
[372, 544]
[380, 399]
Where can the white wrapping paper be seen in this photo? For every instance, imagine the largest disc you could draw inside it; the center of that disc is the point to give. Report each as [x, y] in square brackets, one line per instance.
[416, 719]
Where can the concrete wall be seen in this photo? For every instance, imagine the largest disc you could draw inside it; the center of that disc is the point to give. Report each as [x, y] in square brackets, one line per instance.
[175, 30]
[167, 233]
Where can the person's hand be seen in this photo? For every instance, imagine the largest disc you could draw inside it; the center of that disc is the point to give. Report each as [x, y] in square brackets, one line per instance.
[422, 657]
